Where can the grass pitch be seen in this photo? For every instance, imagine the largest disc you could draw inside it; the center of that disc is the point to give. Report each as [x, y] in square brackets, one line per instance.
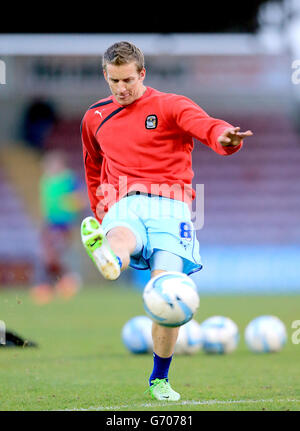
[82, 364]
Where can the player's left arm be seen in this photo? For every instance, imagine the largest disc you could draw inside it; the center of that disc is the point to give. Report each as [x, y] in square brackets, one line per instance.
[221, 136]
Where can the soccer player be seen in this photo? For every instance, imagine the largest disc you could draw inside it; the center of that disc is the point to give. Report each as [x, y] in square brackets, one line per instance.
[137, 146]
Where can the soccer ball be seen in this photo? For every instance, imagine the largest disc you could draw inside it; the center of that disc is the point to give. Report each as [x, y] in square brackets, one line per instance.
[171, 299]
[189, 339]
[136, 335]
[265, 334]
[220, 335]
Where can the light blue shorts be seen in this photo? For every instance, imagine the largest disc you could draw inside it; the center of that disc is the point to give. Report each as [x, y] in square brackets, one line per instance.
[158, 223]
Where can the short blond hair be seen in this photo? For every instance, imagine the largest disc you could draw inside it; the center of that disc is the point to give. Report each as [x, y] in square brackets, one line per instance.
[123, 53]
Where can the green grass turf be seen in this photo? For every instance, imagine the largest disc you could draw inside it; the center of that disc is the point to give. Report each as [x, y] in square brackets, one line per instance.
[81, 362]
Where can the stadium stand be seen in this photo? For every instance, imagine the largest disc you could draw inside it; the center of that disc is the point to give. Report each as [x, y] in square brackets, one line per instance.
[19, 244]
[22, 167]
[253, 196]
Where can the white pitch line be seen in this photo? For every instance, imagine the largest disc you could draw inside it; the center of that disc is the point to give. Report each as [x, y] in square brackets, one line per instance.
[181, 403]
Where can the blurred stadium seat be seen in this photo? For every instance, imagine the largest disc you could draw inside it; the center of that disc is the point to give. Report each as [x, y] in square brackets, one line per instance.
[19, 245]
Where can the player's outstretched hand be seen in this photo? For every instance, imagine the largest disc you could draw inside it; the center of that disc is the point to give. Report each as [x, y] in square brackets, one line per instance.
[233, 136]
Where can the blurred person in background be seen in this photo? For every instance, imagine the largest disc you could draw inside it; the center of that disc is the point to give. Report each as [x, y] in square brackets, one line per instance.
[39, 118]
[145, 136]
[62, 202]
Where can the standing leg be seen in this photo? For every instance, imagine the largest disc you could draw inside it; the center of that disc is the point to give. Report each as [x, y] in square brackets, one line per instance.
[164, 340]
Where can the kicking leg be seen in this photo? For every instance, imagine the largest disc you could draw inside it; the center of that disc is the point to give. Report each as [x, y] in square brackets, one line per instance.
[123, 243]
[110, 252]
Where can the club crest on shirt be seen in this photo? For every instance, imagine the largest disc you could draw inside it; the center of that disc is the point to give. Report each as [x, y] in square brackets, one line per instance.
[151, 122]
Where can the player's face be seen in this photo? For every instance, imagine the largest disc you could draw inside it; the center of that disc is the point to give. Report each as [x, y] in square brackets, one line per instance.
[125, 82]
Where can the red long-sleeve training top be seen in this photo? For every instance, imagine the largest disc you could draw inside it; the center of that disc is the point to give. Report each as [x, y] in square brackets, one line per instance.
[145, 146]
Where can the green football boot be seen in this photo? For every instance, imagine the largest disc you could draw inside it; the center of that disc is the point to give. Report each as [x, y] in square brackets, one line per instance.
[161, 390]
[98, 248]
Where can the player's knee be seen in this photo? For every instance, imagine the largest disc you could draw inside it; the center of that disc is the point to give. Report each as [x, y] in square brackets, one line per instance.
[122, 238]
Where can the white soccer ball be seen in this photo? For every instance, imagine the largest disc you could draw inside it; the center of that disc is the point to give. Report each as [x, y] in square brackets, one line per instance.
[220, 335]
[171, 299]
[265, 334]
[189, 339]
[136, 335]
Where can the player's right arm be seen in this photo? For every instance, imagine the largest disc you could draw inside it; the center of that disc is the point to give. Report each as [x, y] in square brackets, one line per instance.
[92, 159]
